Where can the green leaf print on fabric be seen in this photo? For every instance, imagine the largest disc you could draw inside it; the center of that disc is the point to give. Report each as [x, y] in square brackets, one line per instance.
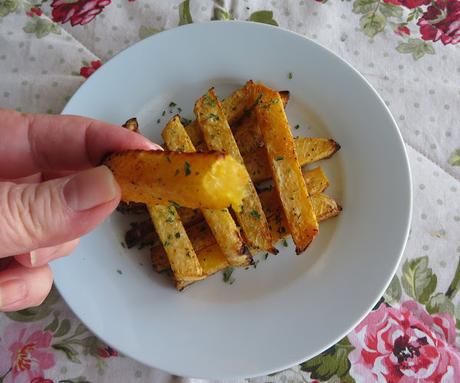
[418, 279]
[221, 14]
[389, 10]
[265, 17]
[416, 47]
[393, 292]
[36, 313]
[364, 6]
[41, 27]
[454, 158]
[145, 31]
[330, 363]
[440, 303]
[372, 23]
[8, 6]
[185, 16]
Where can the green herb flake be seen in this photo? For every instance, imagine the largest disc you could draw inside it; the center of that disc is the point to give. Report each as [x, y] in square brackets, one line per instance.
[265, 256]
[164, 112]
[297, 127]
[255, 214]
[227, 275]
[185, 121]
[158, 121]
[187, 168]
[177, 235]
[209, 100]
[179, 109]
[172, 104]
[256, 263]
[279, 158]
[290, 76]
[174, 204]
[285, 244]
[119, 271]
[213, 117]
[123, 245]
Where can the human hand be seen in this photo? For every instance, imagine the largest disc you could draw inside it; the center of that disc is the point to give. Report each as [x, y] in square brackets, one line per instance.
[52, 191]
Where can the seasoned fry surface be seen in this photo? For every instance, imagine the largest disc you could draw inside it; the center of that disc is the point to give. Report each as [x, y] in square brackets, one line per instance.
[285, 168]
[218, 136]
[179, 250]
[211, 180]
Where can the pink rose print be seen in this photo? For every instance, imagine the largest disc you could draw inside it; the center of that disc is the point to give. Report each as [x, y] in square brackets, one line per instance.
[408, 3]
[34, 11]
[402, 30]
[441, 21]
[24, 354]
[405, 346]
[87, 71]
[78, 12]
[41, 380]
[106, 352]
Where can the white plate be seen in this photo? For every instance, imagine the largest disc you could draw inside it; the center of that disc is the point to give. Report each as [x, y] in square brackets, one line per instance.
[291, 307]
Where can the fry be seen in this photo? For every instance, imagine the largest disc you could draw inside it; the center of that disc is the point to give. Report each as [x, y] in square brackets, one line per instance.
[325, 207]
[282, 156]
[218, 136]
[132, 125]
[246, 131]
[195, 180]
[179, 250]
[233, 108]
[308, 150]
[220, 222]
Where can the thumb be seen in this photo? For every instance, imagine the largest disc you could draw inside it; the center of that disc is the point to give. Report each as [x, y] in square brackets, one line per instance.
[53, 212]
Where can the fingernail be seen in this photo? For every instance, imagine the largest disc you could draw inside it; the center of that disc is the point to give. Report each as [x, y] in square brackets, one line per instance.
[90, 188]
[33, 257]
[11, 292]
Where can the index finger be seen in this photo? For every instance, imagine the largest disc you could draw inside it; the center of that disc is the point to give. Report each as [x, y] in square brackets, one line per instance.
[35, 143]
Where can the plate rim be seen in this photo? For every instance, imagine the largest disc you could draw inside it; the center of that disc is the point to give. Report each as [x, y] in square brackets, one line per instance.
[409, 192]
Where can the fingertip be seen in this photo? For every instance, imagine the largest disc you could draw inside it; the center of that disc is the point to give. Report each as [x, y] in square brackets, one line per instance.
[21, 287]
[40, 257]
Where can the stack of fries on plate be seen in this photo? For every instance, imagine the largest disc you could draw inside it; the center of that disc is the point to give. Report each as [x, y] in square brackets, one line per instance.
[227, 219]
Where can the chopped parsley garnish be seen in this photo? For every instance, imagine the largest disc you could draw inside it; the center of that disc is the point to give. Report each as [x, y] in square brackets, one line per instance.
[213, 117]
[158, 121]
[174, 204]
[255, 214]
[279, 158]
[265, 256]
[290, 75]
[172, 104]
[285, 244]
[227, 275]
[177, 235]
[297, 127]
[185, 121]
[255, 264]
[179, 109]
[209, 100]
[187, 168]
[119, 271]
[123, 245]
[164, 112]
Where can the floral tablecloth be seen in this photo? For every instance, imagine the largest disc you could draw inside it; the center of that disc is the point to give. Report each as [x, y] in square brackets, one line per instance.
[405, 48]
